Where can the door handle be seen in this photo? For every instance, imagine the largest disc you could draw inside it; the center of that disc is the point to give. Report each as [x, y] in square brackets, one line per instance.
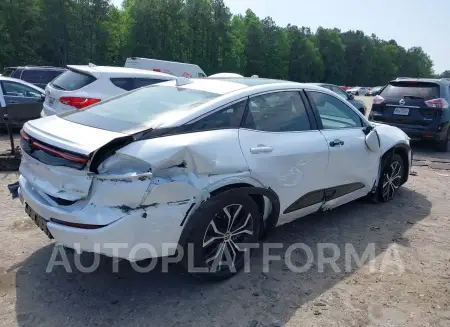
[336, 143]
[261, 149]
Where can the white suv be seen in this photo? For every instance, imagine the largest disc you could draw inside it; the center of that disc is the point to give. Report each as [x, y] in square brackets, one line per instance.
[81, 86]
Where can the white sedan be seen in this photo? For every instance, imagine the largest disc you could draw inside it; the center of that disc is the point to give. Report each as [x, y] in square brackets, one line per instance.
[207, 162]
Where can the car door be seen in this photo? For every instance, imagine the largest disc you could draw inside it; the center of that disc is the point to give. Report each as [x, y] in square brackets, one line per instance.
[285, 151]
[22, 102]
[353, 167]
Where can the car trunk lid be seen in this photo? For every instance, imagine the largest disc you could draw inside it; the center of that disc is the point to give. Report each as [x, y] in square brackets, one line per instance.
[57, 154]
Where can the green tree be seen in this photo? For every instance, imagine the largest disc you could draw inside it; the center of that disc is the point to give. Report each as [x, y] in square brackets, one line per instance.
[304, 62]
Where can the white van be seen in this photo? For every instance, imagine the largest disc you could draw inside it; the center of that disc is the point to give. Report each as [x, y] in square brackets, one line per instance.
[167, 67]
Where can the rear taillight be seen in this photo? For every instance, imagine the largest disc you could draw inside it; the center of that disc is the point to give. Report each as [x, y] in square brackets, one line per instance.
[378, 99]
[439, 103]
[58, 153]
[77, 102]
[24, 135]
[157, 70]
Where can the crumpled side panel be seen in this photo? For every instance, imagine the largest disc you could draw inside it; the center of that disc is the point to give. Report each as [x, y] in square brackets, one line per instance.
[204, 153]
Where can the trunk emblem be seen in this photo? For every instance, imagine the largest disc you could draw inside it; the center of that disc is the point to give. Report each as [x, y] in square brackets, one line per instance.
[402, 101]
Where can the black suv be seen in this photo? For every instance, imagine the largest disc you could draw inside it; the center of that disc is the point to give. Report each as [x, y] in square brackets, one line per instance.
[420, 107]
[37, 75]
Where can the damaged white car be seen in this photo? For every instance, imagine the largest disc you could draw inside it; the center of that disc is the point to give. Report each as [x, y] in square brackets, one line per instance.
[208, 162]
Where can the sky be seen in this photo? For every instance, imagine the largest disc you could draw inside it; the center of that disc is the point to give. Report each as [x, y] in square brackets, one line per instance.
[424, 23]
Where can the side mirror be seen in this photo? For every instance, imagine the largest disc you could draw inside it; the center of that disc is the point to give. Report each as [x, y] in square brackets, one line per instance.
[42, 98]
[372, 140]
[351, 96]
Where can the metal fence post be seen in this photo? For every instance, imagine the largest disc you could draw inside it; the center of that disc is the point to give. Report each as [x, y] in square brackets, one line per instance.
[9, 129]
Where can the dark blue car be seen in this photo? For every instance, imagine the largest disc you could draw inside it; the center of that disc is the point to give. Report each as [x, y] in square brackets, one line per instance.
[419, 107]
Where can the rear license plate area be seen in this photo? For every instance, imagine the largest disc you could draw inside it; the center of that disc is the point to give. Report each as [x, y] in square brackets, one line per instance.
[38, 220]
[401, 111]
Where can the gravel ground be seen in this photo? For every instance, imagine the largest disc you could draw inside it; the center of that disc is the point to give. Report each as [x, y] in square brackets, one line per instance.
[414, 229]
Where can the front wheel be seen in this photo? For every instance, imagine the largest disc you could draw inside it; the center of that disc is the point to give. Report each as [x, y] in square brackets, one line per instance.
[390, 179]
[223, 224]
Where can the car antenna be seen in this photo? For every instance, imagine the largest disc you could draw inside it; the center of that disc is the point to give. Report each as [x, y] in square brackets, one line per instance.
[180, 81]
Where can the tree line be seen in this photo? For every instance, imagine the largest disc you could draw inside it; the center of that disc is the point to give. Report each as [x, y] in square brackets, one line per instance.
[204, 32]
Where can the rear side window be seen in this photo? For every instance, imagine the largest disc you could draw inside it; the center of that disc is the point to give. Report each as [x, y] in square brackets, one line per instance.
[123, 83]
[72, 80]
[229, 117]
[39, 76]
[141, 82]
[17, 73]
[128, 84]
[422, 90]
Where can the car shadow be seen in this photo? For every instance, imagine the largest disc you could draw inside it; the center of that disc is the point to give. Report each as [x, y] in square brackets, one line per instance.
[257, 298]
[424, 150]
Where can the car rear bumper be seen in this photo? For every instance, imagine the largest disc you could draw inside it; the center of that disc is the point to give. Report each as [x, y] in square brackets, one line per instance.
[416, 132]
[47, 111]
[133, 234]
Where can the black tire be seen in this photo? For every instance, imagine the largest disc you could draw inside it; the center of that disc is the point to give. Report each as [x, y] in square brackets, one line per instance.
[356, 93]
[442, 146]
[209, 219]
[390, 179]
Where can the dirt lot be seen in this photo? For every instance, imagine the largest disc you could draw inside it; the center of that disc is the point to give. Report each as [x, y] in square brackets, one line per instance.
[415, 226]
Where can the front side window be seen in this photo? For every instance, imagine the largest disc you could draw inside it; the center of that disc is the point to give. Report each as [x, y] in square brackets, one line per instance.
[334, 113]
[277, 112]
[19, 90]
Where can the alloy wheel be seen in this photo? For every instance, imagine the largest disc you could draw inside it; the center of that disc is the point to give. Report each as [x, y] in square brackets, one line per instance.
[392, 180]
[230, 227]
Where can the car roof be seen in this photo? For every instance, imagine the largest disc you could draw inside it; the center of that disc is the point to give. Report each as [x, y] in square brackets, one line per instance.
[113, 71]
[40, 68]
[5, 78]
[223, 86]
[445, 81]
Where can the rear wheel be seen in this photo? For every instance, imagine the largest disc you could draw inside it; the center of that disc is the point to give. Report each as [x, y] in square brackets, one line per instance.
[222, 224]
[442, 146]
[390, 179]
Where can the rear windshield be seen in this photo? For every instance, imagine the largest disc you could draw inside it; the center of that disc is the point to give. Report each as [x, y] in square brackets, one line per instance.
[421, 90]
[8, 71]
[139, 107]
[72, 80]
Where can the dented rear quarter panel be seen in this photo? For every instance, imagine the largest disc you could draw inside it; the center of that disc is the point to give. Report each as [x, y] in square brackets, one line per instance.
[207, 153]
